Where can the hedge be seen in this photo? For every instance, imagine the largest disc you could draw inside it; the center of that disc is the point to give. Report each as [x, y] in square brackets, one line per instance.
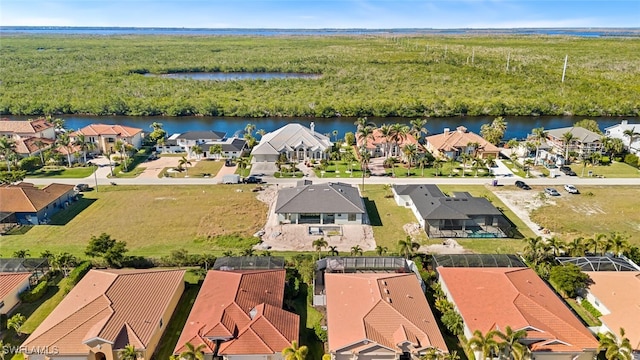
[590, 308]
[78, 273]
[36, 293]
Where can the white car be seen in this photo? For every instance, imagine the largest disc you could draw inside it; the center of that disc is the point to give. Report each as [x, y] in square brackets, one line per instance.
[571, 189]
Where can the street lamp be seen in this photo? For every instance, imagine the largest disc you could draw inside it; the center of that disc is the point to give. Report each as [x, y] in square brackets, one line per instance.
[95, 176]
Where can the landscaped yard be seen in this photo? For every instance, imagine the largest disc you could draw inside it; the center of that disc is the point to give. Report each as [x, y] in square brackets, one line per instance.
[153, 221]
[598, 209]
[614, 170]
[62, 172]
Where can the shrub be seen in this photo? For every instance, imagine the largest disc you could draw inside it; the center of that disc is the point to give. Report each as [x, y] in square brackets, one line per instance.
[321, 333]
[138, 262]
[36, 293]
[589, 307]
[605, 160]
[631, 159]
[30, 163]
[79, 272]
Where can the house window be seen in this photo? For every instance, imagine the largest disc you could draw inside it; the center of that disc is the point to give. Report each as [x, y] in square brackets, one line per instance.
[111, 140]
[352, 217]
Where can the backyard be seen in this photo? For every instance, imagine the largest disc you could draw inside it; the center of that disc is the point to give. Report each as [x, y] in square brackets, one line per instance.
[61, 172]
[153, 221]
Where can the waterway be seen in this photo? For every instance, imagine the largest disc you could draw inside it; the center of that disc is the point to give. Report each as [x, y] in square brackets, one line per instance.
[517, 127]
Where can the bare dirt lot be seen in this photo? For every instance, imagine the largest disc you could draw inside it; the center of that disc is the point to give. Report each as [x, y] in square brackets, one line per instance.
[297, 238]
[522, 203]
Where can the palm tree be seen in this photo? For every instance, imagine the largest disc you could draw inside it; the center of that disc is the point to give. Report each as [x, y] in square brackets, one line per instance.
[577, 247]
[431, 354]
[216, 150]
[21, 254]
[618, 242]
[64, 141]
[437, 165]
[538, 136]
[511, 344]
[385, 130]
[128, 353]
[333, 251]
[527, 164]
[261, 132]
[380, 250]
[243, 163]
[423, 161]
[364, 163]
[535, 250]
[595, 242]
[295, 352]
[410, 151]
[197, 151]
[7, 149]
[40, 145]
[81, 142]
[228, 253]
[184, 162]
[418, 128]
[335, 135]
[249, 128]
[631, 134]
[556, 245]
[193, 352]
[408, 246]
[478, 163]
[567, 138]
[484, 344]
[15, 322]
[356, 250]
[465, 157]
[247, 252]
[616, 348]
[319, 244]
[398, 134]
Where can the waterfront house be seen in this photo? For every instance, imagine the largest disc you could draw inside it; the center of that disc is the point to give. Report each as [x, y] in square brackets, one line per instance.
[459, 216]
[328, 203]
[30, 136]
[30, 205]
[492, 298]
[11, 285]
[107, 311]
[379, 316]
[232, 147]
[452, 144]
[238, 315]
[296, 142]
[378, 145]
[618, 132]
[104, 137]
[583, 143]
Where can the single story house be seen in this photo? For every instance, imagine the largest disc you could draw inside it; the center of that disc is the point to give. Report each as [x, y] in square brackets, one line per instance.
[232, 147]
[296, 142]
[104, 137]
[493, 298]
[458, 216]
[106, 311]
[238, 315]
[616, 295]
[452, 144]
[33, 206]
[618, 132]
[328, 203]
[379, 145]
[379, 316]
[39, 128]
[583, 143]
[11, 285]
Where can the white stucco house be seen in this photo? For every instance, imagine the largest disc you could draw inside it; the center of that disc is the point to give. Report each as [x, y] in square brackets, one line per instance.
[297, 142]
[618, 132]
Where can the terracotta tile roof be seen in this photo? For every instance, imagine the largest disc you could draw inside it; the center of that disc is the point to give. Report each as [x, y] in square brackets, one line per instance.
[107, 306]
[387, 309]
[30, 198]
[27, 146]
[379, 139]
[459, 138]
[244, 309]
[102, 129]
[493, 298]
[24, 126]
[619, 292]
[9, 281]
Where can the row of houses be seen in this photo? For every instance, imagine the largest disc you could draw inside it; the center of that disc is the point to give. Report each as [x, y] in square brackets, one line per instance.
[375, 308]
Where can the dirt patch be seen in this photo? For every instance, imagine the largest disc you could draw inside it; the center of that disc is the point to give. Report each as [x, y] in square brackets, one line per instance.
[293, 237]
[448, 246]
[412, 229]
[588, 210]
[522, 203]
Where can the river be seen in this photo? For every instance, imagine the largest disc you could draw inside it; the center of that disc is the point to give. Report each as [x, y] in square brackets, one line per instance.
[517, 127]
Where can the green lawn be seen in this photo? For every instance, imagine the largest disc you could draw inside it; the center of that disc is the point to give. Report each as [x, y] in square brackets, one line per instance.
[308, 318]
[614, 170]
[340, 169]
[597, 209]
[153, 221]
[54, 296]
[62, 172]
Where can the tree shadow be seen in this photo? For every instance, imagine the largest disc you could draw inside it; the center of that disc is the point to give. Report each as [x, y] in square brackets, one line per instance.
[372, 212]
[63, 217]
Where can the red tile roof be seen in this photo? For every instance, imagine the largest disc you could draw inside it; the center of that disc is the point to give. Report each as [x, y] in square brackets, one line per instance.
[244, 309]
[117, 306]
[27, 146]
[493, 298]
[9, 281]
[386, 309]
[30, 198]
[102, 129]
[379, 139]
[24, 126]
[459, 138]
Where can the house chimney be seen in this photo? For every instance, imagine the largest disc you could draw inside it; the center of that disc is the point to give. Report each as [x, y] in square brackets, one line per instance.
[446, 131]
[312, 127]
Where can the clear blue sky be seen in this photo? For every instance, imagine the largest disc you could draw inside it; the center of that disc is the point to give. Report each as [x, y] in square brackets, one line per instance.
[323, 13]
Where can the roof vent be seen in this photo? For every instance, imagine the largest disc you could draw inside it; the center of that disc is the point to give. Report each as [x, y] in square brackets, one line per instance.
[409, 296]
[386, 291]
[384, 282]
[389, 300]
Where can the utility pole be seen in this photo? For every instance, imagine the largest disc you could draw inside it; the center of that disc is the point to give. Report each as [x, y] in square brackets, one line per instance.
[564, 69]
[508, 59]
[473, 56]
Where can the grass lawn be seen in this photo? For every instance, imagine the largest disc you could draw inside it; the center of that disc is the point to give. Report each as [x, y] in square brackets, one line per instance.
[340, 169]
[308, 318]
[62, 172]
[54, 296]
[179, 318]
[387, 218]
[199, 169]
[598, 209]
[134, 169]
[455, 170]
[152, 220]
[614, 170]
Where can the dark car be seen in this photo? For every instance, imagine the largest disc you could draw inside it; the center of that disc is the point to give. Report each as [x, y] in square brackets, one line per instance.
[522, 185]
[567, 171]
[252, 180]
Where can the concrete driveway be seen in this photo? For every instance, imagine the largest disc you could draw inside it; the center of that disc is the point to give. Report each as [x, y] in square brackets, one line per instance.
[154, 167]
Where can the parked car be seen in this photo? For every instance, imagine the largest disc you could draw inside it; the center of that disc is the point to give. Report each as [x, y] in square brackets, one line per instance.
[567, 171]
[551, 191]
[571, 189]
[522, 185]
[81, 187]
[252, 180]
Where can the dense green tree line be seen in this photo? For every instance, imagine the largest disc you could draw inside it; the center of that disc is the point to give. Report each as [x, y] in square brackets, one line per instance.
[414, 76]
